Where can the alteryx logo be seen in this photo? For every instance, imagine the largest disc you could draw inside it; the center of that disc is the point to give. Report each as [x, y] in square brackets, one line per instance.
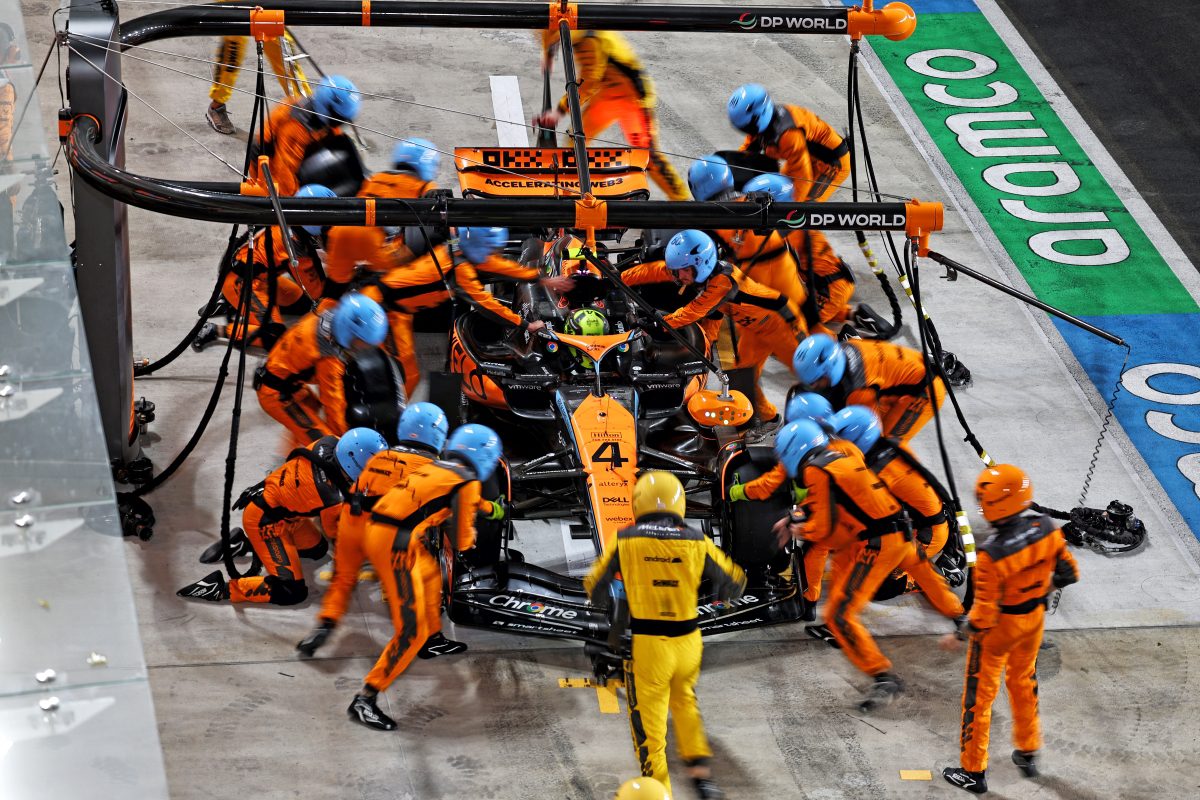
[795, 219]
[747, 21]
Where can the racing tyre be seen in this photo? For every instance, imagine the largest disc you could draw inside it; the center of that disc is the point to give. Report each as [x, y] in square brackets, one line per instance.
[747, 534]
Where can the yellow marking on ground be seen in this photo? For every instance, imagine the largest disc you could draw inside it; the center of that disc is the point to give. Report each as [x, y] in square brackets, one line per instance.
[606, 696]
[916, 775]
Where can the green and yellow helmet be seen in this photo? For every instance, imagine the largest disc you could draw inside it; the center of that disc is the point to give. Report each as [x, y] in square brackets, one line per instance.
[585, 321]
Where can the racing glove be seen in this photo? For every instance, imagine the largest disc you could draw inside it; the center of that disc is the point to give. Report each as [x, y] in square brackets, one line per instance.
[799, 493]
[497, 513]
[309, 645]
[737, 492]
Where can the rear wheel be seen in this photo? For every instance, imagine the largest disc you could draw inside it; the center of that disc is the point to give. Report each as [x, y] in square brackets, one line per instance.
[747, 535]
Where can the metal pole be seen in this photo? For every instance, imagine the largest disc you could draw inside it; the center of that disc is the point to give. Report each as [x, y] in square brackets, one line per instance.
[233, 18]
[102, 250]
[577, 136]
[955, 267]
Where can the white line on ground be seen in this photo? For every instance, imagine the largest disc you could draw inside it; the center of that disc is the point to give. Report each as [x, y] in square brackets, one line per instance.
[507, 106]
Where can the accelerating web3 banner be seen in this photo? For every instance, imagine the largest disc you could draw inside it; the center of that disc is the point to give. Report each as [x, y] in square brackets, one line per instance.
[1064, 227]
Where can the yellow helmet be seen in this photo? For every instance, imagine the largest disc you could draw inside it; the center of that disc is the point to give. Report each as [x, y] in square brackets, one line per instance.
[642, 788]
[658, 493]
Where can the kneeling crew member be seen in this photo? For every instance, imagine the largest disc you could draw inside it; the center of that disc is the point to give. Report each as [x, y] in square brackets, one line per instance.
[886, 378]
[764, 323]
[1018, 567]
[661, 562]
[317, 348]
[814, 155]
[277, 514]
[810, 406]
[291, 298]
[433, 508]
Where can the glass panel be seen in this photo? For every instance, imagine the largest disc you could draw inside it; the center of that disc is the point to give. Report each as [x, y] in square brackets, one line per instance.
[73, 684]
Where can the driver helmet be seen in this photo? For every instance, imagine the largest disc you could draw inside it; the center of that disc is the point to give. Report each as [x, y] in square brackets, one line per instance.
[587, 321]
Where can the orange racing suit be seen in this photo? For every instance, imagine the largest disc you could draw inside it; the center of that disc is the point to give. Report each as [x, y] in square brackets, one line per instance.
[814, 155]
[850, 511]
[1018, 567]
[815, 555]
[426, 282]
[276, 518]
[827, 277]
[406, 544]
[347, 246]
[661, 562]
[765, 259]
[290, 130]
[289, 297]
[763, 322]
[889, 380]
[615, 88]
[306, 352]
[385, 470]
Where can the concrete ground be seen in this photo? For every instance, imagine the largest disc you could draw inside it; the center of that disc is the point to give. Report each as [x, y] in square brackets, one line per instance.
[239, 713]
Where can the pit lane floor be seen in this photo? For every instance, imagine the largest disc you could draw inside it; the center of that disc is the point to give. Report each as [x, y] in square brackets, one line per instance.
[238, 713]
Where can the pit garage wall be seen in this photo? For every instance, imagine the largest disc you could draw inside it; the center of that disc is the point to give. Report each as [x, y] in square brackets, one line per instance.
[1062, 211]
[76, 715]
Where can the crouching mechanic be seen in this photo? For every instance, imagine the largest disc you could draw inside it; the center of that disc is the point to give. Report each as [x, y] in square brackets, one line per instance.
[292, 297]
[421, 434]
[1019, 566]
[911, 484]
[889, 379]
[851, 512]
[277, 514]
[814, 155]
[426, 282]
[764, 323]
[661, 562]
[763, 257]
[415, 164]
[317, 348]
[815, 408]
[410, 527]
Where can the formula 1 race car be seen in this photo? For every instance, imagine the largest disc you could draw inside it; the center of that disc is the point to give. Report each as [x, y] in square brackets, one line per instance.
[581, 415]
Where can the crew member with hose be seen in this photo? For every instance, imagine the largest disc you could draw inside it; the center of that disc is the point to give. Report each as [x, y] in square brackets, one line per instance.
[815, 157]
[1019, 566]
[415, 164]
[432, 509]
[850, 511]
[276, 520]
[826, 276]
[428, 281]
[291, 297]
[613, 88]
[910, 483]
[889, 379]
[658, 563]
[316, 349]
[761, 322]
[293, 127]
